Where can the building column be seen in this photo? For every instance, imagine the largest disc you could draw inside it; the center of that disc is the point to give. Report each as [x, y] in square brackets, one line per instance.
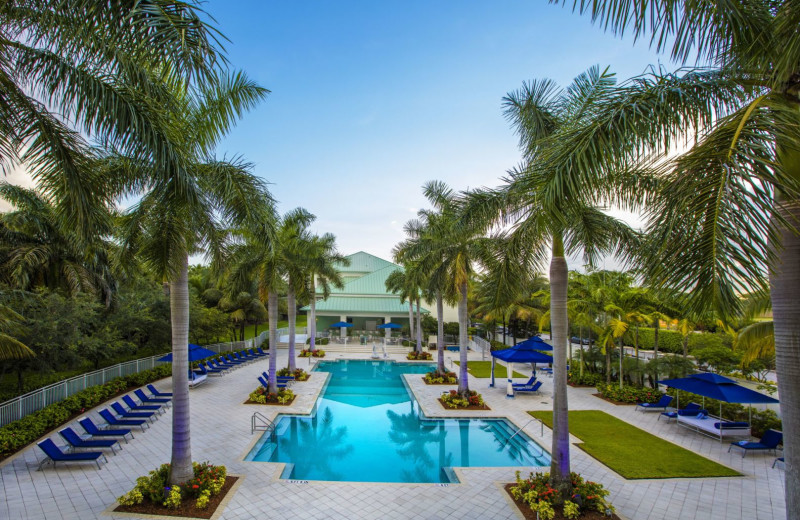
[343, 330]
[387, 332]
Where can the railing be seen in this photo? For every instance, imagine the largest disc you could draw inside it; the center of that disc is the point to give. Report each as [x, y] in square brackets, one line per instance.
[18, 407]
[479, 344]
[259, 422]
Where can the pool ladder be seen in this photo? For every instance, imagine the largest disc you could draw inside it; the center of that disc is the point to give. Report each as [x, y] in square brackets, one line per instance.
[541, 433]
[258, 422]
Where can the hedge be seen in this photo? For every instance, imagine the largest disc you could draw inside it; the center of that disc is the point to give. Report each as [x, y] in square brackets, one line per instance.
[19, 434]
[672, 341]
[628, 394]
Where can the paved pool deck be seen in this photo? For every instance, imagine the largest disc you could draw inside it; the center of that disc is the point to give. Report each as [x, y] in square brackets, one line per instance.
[221, 434]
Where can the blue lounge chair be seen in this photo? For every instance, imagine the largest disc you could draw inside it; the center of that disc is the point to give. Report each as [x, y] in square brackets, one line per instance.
[108, 417]
[157, 393]
[144, 407]
[660, 405]
[262, 352]
[769, 441]
[283, 381]
[265, 382]
[257, 354]
[94, 431]
[145, 399]
[76, 441]
[241, 357]
[127, 414]
[529, 389]
[55, 455]
[668, 415]
[233, 361]
[691, 409]
[216, 366]
[530, 382]
[247, 356]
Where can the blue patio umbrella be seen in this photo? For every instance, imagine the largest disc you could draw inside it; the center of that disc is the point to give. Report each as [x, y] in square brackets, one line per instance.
[390, 326]
[718, 387]
[341, 324]
[537, 343]
[196, 353]
[525, 352]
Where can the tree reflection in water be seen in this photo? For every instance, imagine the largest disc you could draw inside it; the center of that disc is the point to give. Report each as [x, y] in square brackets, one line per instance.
[312, 452]
[412, 435]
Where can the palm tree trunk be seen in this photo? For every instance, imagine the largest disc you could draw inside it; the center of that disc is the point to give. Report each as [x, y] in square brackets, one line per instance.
[559, 466]
[312, 317]
[272, 311]
[608, 364]
[419, 327]
[580, 338]
[621, 355]
[784, 288]
[504, 329]
[292, 321]
[655, 352]
[439, 332]
[411, 319]
[463, 382]
[181, 464]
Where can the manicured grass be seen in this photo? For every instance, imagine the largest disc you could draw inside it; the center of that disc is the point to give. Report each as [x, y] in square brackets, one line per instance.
[632, 452]
[484, 369]
[249, 330]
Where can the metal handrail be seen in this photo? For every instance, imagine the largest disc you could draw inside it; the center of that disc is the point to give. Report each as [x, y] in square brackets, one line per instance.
[266, 424]
[541, 433]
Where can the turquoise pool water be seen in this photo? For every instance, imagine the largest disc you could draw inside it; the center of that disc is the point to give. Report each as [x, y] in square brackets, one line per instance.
[366, 427]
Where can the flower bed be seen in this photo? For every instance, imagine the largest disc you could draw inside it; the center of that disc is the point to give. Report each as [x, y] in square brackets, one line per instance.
[284, 397]
[18, 434]
[627, 394]
[440, 378]
[299, 374]
[419, 356]
[197, 498]
[309, 353]
[454, 400]
[537, 500]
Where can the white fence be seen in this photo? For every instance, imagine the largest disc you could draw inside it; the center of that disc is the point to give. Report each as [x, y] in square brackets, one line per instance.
[18, 407]
[481, 345]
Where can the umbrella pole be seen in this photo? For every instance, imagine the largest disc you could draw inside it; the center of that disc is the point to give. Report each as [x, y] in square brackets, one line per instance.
[491, 385]
[509, 384]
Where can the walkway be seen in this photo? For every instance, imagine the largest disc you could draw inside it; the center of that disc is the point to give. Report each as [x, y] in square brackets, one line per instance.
[221, 434]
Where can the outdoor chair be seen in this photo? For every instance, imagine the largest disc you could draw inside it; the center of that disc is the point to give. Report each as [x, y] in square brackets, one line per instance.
[144, 407]
[55, 454]
[779, 459]
[196, 379]
[108, 417]
[533, 389]
[233, 360]
[217, 366]
[660, 405]
[76, 441]
[150, 400]
[262, 352]
[157, 393]
[286, 380]
[206, 368]
[126, 414]
[768, 442]
[668, 415]
[256, 354]
[530, 382]
[264, 382]
[691, 409]
[92, 429]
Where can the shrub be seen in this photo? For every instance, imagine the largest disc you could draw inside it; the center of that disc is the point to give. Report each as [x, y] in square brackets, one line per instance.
[424, 356]
[437, 377]
[299, 374]
[536, 492]
[454, 400]
[721, 359]
[588, 379]
[18, 434]
[672, 341]
[173, 500]
[206, 482]
[628, 394]
[261, 396]
[316, 353]
[497, 345]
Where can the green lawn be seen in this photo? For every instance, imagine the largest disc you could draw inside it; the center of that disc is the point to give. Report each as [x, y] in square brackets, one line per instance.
[634, 453]
[484, 369]
[249, 330]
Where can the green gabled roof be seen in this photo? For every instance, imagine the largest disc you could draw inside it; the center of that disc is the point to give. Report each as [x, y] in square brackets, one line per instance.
[372, 283]
[347, 304]
[362, 262]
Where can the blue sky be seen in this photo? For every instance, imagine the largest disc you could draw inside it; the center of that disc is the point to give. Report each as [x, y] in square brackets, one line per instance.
[371, 99]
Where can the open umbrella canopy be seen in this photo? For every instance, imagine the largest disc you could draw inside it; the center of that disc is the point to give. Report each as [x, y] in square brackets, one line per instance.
[342, 324]
[718, 387]
[390, 326]
[196, 353]
[524, 352]
[535, 342]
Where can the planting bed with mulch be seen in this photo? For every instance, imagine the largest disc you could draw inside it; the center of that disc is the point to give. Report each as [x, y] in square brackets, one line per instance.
[188, 508]
[618, 403]
[442, 383]
[531, 515]
[470, 407]
[271, 404]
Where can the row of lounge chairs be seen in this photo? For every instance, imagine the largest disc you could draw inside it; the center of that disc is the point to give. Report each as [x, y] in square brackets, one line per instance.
[693, 416]
[118, 428]
[220, 366]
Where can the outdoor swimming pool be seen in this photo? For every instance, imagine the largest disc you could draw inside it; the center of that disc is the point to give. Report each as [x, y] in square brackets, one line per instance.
[366, 427]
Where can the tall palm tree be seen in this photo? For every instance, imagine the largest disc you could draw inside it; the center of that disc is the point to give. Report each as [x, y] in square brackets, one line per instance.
[187, 210]
[398, 282]
[84, 68]
[294, 242]
[555, 199]
[11, 324]
[731, 203]
[323, 260]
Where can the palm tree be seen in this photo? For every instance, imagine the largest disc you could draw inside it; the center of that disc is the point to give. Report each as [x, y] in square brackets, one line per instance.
[398, 282]
[187, 210]
[10, 325]
[323, 258]
[294, 244]
[554, 199]
[242, 308]
[730, 206]
[84, 68]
